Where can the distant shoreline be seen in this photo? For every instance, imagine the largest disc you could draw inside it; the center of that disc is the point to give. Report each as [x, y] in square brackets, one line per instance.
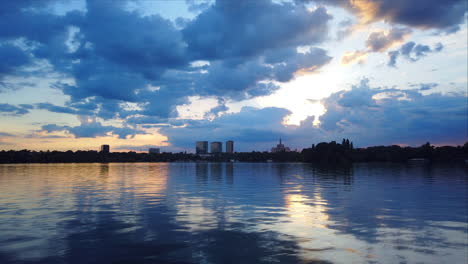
[323, 153]
[244, 162]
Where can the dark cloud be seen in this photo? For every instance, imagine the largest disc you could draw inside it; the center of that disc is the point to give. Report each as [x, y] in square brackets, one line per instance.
[247, 28]
[392, 58]
[20, 109]
[243, 79]
[378, 41]
[217, 110]
[154, 120]
[93, 129]
[444, 15]
[145, 45]
[427, 86]
[381, 41]
[42, 33]
[11, 58]
[116, 56]
[4, 134]
[56, 109]
[412, 52]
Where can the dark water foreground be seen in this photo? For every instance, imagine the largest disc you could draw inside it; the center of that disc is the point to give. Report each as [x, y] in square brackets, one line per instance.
[232, 213]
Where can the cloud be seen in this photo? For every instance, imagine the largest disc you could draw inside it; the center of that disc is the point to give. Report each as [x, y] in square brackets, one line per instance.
[18, 110]
[427, 86]
[4, 134]
[93, 129]
[217, 110]
[358, 56]
[378, 41]
[412, 52]
[198, 5]
[11, 58]
[426, 14]
[381, 41]
[345, 29]
[113, 56]
[243, 80]
[244, 29]
[392, 58]
[56, 109]
[146, 45]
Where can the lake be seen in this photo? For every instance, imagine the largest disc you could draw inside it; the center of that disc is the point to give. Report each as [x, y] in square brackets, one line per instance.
[233, 213]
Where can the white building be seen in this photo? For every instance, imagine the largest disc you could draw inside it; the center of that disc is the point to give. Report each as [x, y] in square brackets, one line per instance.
[280, 148]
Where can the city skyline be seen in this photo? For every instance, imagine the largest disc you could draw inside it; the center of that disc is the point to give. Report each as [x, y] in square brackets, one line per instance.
[163, 74]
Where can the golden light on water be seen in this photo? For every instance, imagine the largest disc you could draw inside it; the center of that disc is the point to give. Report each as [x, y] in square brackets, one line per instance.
[305, 214]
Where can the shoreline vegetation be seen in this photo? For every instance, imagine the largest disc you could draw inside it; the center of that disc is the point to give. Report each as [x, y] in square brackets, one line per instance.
[322, 153]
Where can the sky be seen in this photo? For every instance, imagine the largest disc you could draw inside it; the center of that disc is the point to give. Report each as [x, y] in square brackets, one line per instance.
[135, 74]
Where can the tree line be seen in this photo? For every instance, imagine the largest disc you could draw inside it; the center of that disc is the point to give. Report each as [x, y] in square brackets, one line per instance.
[321, 153]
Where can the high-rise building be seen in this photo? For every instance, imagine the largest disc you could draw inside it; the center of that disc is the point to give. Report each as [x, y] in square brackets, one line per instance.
[216, 147]
[105, 148]
[201, 147]
[229, 146]
[154, 151]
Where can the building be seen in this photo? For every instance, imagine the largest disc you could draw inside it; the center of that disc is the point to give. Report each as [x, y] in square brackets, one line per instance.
[216, 147]
[280, 148]
[201, 147]
[154, 151]
[229, 146]
[105, 149]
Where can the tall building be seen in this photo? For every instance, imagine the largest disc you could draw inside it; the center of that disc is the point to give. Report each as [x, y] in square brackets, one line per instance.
[229, 146]
[280, 148]
[154, 151]
[105, 148]
[201, 147]
[216, 147]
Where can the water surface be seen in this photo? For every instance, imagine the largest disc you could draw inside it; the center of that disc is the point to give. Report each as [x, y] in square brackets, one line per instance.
[232, 213]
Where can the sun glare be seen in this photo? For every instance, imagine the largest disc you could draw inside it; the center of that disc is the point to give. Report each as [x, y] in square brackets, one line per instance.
[302, 95]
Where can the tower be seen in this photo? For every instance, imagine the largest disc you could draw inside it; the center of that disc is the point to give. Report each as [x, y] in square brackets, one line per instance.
[229, 146]
[201, 147]
[105, 149]
[216, 147]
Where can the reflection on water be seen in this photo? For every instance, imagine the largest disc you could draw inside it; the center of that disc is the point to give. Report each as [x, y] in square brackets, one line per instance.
[232, 213]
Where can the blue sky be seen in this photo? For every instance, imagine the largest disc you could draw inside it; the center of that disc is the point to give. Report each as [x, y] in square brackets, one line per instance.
[139, 73]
